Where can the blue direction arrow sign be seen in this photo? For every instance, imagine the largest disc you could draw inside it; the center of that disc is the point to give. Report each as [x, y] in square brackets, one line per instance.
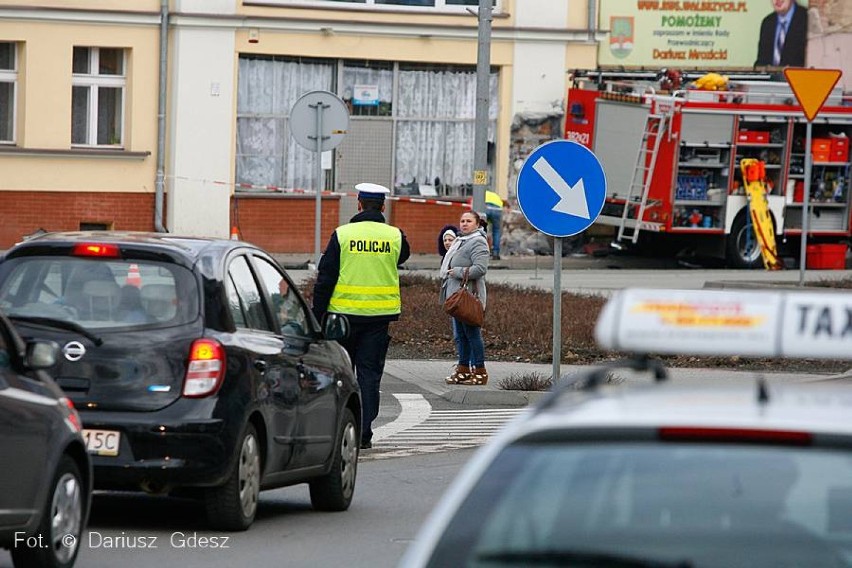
[561, 188]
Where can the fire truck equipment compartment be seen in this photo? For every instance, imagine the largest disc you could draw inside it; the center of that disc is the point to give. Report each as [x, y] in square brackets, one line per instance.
[829, 256]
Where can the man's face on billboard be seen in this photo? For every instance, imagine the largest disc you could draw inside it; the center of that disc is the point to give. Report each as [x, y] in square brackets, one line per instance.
[781, 7]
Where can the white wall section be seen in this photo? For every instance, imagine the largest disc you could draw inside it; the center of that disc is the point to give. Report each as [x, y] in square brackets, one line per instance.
[201, 131]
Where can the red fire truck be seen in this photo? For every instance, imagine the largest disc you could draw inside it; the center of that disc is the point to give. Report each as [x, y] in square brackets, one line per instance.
[672, 163]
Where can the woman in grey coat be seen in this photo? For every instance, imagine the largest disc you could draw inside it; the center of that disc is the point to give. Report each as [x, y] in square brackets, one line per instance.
[468, 252]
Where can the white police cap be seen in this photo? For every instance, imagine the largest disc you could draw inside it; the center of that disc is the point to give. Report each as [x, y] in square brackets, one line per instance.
[371, 191]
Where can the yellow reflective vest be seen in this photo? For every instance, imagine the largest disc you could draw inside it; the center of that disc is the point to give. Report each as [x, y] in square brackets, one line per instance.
[368, 282]
[492, 198]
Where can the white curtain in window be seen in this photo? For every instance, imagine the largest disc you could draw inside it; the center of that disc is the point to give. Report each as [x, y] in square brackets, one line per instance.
[267, 89]
[365, 76]
[435, 136]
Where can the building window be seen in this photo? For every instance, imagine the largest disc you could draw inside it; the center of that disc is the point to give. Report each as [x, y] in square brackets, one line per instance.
[8, 84]
[412, 124]
[97, 96]
[435, 113]
[368, 87]
[268, 88]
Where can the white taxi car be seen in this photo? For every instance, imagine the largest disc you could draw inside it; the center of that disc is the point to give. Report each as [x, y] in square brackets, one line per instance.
[758, 475]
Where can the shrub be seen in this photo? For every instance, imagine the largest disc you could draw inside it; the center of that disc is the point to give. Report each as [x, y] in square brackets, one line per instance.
[526, 382]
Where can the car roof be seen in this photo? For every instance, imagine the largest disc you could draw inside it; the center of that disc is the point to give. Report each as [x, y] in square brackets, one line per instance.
[813, 408]
[182, 249]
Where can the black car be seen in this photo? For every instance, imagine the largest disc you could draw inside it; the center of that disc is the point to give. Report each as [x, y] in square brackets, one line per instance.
[195, 364]
[46, 476]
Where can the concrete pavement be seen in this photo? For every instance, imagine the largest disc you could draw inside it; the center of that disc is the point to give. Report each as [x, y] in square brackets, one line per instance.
[429, 375]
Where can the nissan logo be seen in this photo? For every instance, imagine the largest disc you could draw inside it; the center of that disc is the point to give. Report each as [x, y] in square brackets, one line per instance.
[74, 350]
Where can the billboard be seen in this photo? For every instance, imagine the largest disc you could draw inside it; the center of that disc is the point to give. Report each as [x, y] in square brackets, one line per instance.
[703, 34]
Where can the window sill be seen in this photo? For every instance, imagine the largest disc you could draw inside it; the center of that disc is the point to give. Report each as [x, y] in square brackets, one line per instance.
[390, 9]
[74, 153]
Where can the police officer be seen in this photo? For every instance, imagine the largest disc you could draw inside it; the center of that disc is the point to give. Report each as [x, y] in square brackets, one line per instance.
[358, 277]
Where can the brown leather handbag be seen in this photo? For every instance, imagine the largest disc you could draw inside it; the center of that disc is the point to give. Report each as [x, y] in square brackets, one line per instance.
[465, 306]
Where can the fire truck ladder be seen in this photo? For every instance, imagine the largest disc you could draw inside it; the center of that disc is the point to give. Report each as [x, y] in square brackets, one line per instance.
[643, 173]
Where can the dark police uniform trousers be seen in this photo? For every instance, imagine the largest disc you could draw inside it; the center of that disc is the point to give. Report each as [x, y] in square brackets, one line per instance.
[367, 346]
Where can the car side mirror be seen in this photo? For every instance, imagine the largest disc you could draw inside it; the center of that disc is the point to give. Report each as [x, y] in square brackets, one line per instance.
[42, 354]
[335, 327]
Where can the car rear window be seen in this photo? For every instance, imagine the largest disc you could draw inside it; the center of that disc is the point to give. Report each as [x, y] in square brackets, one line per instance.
[689, 505]
[99, 294]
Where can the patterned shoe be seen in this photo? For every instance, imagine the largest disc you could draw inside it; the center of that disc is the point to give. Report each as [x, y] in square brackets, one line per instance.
[461, 374]
[479, 376]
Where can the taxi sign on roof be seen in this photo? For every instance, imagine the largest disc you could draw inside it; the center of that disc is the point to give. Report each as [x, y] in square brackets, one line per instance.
[812, 87]
[727, 323]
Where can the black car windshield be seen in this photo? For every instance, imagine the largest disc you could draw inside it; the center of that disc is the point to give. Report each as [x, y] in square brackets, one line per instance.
[99, 294]
[653, 504]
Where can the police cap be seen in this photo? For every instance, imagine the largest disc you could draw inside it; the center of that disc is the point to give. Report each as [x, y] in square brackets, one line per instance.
[371, 191]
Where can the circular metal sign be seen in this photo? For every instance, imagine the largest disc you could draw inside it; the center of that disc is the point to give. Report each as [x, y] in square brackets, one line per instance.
[334, 117]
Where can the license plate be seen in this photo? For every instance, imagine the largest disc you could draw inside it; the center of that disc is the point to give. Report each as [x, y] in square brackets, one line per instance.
[102, 442]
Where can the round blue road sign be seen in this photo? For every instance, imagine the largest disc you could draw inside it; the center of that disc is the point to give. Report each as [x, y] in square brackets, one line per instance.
[561, 188]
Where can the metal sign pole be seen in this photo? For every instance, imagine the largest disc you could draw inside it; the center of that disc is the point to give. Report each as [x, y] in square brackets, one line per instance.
[557, 308]
[561, 192]
[309, 115]
[318, 213]
[806, 206]
[481, 183]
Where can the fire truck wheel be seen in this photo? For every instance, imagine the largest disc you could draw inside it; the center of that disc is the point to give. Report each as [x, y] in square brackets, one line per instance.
[741, 248]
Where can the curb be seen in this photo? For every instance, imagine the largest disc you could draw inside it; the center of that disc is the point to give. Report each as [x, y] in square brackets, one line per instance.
[493, 398]
[471, 395]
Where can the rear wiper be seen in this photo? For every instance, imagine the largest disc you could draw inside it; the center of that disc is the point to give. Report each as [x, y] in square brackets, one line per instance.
[578, 557]
[61, 324]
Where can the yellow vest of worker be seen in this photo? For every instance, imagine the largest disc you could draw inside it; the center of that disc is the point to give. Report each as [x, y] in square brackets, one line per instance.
[368, 283]
[492, 198]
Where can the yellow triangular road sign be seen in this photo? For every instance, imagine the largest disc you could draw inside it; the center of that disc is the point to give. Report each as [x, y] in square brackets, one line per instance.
[812, 87]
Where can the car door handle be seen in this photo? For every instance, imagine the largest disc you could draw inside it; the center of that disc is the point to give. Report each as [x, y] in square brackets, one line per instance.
[260, 365]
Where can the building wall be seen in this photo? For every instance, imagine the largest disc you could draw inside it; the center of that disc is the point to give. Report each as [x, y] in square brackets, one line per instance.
[206, 38]
[26, 211]
[539, 87]
[100, 5]
[42, 165]
[283, 223]
[201, 132]
[422, 221]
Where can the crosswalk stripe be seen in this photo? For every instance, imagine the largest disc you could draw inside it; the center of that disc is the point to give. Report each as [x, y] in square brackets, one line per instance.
[415, 410]
[420, 429]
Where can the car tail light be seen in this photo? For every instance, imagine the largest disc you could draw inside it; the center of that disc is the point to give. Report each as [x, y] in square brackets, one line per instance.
[205, 369]
[73, 417]
[96, 249]
[747, 435]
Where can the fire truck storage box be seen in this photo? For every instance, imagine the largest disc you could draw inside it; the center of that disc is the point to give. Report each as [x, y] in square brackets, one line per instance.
[822, 156]
[827, 257]
[821, 145]
[839, 149]
[753, 137]
[839, 143]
